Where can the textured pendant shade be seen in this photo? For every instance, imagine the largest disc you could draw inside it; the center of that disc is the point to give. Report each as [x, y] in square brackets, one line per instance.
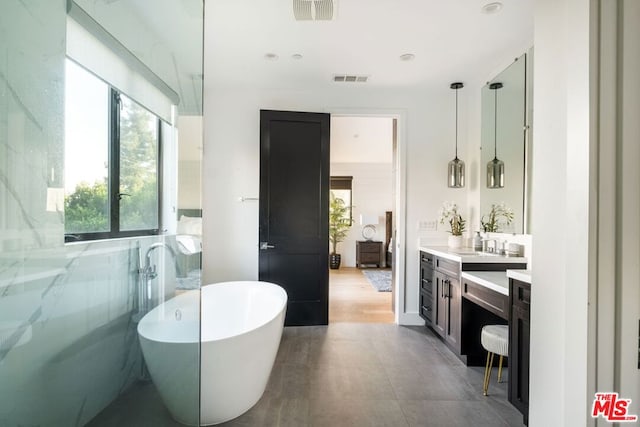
[495, 168]
[455, 172]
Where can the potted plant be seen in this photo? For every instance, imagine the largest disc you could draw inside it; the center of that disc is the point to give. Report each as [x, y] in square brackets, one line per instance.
[449, 213]
[339, 224]
[500, 214]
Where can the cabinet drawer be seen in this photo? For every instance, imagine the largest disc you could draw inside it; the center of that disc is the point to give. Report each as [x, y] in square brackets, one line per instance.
[493, 301]
[426, 260]
[521, 294]
[366, 247]
[426, 284]
[367, 257]
[452, 268]
[426, 310]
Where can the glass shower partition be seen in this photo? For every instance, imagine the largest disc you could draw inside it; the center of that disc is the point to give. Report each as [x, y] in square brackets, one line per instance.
[100, 219]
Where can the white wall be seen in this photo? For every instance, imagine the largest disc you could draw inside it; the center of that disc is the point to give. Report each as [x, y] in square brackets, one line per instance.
[189, 155]
[371, 194]
[629, 205]
[560, 194]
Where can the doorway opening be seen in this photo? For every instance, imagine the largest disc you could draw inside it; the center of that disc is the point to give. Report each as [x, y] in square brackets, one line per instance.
[364, 175]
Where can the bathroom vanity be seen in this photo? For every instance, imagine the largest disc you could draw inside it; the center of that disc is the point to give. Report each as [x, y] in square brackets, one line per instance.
[455, 305]
[462, 290]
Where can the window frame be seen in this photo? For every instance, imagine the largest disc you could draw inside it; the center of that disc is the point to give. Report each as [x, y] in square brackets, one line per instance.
[113, 178]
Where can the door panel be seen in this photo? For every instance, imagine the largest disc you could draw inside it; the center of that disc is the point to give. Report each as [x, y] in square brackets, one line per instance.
[453, 308]
[439, 304]
[294, 202]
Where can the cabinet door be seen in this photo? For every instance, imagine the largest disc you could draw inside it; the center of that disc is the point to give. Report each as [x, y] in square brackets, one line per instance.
[439, 303]
[454, 303]
[519, 359]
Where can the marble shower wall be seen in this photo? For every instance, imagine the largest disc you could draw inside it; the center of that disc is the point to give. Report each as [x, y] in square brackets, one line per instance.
[68, 346]
[32, 51]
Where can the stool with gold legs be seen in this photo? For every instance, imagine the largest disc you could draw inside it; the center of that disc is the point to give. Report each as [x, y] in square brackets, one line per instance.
[494, 339]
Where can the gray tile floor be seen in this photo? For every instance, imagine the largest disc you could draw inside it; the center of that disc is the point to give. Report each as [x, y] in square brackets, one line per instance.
[350, 374]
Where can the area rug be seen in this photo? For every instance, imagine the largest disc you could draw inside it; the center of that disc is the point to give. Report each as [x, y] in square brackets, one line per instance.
[379, 279]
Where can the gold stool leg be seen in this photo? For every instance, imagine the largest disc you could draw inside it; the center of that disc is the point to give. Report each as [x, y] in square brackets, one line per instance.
[487, 373]
[500, 369]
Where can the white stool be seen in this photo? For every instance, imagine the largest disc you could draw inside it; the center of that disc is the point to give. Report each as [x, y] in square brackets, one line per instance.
[494, 339]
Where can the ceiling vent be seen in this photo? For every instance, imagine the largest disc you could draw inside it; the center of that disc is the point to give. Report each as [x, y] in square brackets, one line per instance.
[314, 10]
[350, 78]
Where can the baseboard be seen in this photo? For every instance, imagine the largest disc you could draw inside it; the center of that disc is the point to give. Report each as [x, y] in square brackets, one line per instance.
[410, 319]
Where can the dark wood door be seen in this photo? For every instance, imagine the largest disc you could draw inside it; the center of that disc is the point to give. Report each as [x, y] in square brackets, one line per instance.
[294, 216]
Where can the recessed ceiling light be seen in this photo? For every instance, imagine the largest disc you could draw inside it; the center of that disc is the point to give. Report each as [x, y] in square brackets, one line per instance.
[407, 57]
[271, 57]
[494, 7]
[296, 56]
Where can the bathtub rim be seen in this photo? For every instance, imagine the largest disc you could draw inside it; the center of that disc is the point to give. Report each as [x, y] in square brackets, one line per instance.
[148, 317]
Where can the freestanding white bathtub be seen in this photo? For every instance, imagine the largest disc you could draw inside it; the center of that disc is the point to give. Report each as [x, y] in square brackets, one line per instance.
[241, 329]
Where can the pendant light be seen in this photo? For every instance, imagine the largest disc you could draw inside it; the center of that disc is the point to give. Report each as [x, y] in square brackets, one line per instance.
[495, 168]
[455, 177]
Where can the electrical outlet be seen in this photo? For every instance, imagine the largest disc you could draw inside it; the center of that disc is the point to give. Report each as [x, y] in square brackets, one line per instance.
[426, 225]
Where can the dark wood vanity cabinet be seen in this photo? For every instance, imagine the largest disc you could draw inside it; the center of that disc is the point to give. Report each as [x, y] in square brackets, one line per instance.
[446, 301]
[458, 309]
[368, 252]
[519, 345]
[426, 287]
[446, 316]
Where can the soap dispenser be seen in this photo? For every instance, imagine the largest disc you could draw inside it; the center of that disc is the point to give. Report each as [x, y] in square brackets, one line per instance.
[477, 242]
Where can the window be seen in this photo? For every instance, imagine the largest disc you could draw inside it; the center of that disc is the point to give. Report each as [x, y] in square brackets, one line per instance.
[112, 158]
[341, 189]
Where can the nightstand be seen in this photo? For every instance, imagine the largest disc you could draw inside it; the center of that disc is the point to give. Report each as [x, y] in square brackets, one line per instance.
[368, 252]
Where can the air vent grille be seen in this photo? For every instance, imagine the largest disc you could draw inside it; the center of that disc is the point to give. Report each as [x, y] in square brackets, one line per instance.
[350, 78]
[314, 10]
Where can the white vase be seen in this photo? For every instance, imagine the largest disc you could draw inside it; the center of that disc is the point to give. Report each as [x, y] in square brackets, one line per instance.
[455, 241]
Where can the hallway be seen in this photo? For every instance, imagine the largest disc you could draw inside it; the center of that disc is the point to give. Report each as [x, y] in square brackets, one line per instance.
[352, 299]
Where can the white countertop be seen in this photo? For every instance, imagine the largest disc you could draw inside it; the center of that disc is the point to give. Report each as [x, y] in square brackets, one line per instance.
[468, 255]
[494, 280]
[521, 275]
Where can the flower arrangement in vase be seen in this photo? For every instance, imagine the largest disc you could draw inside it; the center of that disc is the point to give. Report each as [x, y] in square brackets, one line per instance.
[499, 215]
[449, 213]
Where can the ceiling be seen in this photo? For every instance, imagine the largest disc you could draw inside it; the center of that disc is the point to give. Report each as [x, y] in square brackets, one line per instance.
[451, 40]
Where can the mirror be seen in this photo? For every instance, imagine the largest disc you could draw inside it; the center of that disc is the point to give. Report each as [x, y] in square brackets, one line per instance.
[503, 136]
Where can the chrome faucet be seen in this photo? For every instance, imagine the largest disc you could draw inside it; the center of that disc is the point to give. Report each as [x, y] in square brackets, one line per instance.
[150, 270]
[488, 245]
[148, 273]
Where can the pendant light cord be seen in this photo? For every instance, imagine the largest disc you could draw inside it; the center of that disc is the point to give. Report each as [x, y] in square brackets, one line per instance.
[495, 125]
[456, 122]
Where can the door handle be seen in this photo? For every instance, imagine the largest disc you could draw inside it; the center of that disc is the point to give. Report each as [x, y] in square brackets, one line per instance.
[266, 245]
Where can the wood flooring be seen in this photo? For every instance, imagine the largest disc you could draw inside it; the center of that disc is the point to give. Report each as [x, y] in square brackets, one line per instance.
[352, 299]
